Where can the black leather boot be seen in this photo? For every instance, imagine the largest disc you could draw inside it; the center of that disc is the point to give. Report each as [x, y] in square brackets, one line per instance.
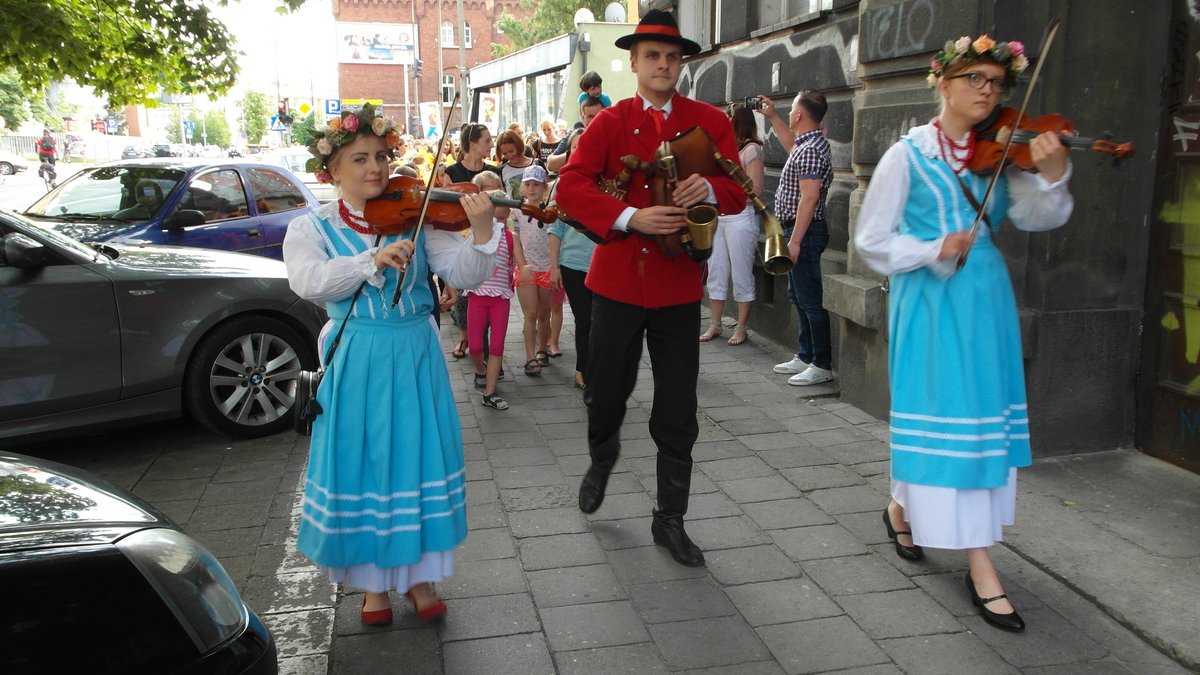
[591, 490]
[674, 482]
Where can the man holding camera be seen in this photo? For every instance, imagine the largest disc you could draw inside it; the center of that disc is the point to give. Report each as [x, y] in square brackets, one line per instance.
[640, 291]
[800, 207]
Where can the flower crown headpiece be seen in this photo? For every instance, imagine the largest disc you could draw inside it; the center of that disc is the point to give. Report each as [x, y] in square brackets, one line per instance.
[343, 130]
[1009, 55]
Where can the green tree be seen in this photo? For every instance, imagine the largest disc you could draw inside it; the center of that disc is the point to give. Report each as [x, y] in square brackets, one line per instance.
[216, 127]
[173, 129]
[255, 113]
[128, 50]
[302, 129]
[550, 19]
[41, 112]
[14, 107]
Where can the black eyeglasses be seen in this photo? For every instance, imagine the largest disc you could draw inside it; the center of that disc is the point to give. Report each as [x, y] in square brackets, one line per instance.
[978, 81]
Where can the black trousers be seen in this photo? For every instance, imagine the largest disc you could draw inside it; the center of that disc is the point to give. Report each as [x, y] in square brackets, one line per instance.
[616, 347]
[580, 297]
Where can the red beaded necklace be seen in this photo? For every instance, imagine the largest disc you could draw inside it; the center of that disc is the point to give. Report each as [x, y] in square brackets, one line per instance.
[356, 223]
[956, 155]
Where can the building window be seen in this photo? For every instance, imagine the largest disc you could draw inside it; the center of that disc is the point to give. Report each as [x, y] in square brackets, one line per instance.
[447, 34]
[447, 88]
[466, 31]
[773, 13]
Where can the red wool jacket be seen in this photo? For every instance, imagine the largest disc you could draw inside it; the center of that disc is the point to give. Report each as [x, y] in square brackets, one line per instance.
[632, 268]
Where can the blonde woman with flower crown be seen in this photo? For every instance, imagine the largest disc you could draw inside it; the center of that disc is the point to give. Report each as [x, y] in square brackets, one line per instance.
[383, 500]
[959, 420]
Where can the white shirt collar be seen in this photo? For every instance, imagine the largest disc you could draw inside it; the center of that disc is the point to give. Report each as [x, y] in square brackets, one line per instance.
[666, 109]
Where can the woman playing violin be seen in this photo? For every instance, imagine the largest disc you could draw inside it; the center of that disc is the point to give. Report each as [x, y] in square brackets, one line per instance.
[383, 500]
[959, 420]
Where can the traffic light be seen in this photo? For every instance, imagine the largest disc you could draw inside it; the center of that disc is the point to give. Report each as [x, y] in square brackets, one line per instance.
[284, 116]
[416, 67]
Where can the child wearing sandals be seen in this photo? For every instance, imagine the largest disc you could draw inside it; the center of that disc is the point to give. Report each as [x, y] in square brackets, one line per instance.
[488, 307]
[532, 251]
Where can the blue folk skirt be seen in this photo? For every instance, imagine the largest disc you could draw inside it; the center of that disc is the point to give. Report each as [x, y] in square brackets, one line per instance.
[959, 415]
[385, 482]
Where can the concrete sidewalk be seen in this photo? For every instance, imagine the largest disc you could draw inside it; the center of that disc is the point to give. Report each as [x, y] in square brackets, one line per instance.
[787, 492]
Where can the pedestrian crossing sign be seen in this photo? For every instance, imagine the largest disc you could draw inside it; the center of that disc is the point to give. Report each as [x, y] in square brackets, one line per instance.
[276, 124]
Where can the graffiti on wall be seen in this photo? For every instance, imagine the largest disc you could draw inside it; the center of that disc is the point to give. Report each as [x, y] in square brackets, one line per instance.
[824, 58]
[897, 30]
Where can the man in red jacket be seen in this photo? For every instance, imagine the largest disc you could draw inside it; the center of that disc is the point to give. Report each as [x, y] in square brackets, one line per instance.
[640, 292]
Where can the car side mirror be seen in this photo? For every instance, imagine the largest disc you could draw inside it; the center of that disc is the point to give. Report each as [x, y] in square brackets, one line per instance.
[183, 218]
[23, 252]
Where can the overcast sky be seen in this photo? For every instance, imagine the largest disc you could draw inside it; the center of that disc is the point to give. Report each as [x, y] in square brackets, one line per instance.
[298, 49]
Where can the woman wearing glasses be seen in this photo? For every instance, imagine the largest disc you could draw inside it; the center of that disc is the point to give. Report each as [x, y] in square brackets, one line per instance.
[959, 420]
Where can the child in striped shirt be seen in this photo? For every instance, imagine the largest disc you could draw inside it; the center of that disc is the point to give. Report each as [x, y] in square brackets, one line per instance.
[488, 307]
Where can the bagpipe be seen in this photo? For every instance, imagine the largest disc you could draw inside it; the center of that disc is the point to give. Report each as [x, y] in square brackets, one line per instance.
[692, 152]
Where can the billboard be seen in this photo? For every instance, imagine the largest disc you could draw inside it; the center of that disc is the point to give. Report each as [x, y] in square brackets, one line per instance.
[379, 43]
[431, 119]
[489, 112]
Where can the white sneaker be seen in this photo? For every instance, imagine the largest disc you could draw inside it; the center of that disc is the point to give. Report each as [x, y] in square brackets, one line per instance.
[811, 375]
[791, 367]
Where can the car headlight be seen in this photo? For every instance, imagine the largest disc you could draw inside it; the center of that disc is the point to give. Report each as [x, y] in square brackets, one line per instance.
[191, 582]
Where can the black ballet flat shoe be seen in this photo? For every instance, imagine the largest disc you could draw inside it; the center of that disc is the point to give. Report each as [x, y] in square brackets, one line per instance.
[591, 489]
[913, 552]
[1011, 621]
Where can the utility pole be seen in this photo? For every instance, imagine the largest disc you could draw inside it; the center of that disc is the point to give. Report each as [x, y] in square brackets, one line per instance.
[407, 116]
[440, 72]
[462, 63]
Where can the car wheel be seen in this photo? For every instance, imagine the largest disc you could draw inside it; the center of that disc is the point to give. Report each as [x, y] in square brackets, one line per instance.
[7, 169]
[241, 380]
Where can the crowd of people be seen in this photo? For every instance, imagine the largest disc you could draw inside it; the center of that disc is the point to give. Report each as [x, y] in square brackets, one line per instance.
[384, 506]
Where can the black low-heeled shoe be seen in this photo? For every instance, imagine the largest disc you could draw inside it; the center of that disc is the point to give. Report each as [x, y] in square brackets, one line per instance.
[913, 552]
[1011, 621]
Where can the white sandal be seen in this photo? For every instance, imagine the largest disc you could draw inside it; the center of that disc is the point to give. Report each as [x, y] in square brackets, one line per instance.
[739, 329]
[714, 330]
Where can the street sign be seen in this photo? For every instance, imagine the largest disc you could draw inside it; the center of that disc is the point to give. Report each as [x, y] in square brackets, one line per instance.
[305, 108]
[276, 124]
[333, 106]
[356, 104]
[189, 126]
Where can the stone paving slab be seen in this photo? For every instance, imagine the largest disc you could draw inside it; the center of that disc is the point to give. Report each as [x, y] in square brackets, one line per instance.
[800, 576]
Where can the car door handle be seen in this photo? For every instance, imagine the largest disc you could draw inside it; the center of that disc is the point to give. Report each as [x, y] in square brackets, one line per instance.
[253, 232]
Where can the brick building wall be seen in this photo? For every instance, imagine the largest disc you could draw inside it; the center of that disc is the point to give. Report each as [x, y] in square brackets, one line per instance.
[386, 82]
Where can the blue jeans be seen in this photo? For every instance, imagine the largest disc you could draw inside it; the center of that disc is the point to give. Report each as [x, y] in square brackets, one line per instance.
[804, 289]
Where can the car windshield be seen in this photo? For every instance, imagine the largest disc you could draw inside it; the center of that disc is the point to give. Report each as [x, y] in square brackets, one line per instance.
[125, 193]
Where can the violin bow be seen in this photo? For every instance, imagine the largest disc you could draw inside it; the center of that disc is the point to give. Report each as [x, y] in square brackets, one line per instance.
[1047, 40]
[437, 161]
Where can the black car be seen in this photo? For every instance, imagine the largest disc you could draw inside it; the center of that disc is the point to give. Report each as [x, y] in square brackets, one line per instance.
[97, 581]
[162, 150]
[100, 335]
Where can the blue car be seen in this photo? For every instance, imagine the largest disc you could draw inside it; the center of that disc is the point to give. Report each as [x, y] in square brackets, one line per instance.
[227, 205]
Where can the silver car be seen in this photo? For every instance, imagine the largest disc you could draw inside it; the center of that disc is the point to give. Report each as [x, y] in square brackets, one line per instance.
[10, 163]
[99, 335]
[295, 158]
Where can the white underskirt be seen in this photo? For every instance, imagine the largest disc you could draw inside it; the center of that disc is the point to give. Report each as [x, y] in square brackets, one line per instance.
[433, 567]
[956, 519]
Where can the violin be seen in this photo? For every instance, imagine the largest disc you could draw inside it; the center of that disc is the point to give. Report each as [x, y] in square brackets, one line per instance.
[992, 133]
[397, 209]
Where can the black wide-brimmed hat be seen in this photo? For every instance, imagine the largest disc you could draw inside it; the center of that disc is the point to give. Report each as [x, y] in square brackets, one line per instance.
[658, 26]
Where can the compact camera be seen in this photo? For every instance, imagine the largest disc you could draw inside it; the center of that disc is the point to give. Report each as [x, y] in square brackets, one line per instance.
[754, 103]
